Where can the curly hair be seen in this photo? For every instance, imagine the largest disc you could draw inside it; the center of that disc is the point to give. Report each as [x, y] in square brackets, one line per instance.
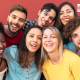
[71, 26]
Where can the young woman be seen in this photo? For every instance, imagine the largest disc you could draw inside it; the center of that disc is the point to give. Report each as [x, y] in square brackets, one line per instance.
[66, 11]
[3, 65]
[58, 63]
[23, 60]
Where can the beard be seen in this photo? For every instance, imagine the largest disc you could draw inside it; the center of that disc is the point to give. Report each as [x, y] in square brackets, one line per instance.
[15, 25]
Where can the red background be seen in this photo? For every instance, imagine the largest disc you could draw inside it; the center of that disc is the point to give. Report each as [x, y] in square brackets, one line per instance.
[32, 6]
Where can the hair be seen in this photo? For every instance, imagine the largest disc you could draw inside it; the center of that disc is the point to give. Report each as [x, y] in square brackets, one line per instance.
[58, 23]
[49, 6]
[19, 8]
[44, 55]
[23, 50]
[71, 26]
[1, 28]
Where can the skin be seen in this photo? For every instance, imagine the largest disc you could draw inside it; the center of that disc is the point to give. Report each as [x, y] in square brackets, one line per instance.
[33, 40]
[76, 37]
[45, 18]
[16, 20]
[50, 43]
[2, 48]
[66, 14]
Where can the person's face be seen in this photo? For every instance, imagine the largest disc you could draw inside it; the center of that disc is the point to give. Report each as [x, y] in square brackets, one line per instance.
[2, 44]
[16, 20]
[49, 41]
[45, 18]
[76, 37]
[66, 13]
[33, 39]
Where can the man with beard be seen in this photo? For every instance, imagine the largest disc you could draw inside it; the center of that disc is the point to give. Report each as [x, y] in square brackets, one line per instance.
[46, 16]
[15, 21]
[72, 31]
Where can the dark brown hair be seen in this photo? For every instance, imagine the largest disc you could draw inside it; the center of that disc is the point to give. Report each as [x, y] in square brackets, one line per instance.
[19, 8]
[71, 26]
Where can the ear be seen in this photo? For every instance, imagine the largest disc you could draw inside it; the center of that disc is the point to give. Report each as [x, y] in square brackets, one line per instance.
[39, 12]
[8, 18]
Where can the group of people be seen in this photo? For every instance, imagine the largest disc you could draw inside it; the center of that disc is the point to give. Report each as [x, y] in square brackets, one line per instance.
[33, 50]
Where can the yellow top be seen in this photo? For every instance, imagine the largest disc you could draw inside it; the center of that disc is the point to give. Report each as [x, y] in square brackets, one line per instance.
[67, 69]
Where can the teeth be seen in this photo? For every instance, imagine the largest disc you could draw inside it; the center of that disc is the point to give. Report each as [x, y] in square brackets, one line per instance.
[33, 45]
[14, 26]
[43, 22]
[66, 19]
[49, 44]
[1, 50]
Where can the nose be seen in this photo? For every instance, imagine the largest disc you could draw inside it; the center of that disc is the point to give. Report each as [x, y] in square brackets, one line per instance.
[35, 39]
[48, 39]
[47, 18]
[65, 14]
[16, 20]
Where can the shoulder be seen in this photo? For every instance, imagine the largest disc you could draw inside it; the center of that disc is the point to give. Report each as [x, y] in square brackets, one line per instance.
[70, 46]
[3, 65]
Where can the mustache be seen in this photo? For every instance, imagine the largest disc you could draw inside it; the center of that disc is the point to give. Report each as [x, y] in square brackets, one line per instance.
[17, 25]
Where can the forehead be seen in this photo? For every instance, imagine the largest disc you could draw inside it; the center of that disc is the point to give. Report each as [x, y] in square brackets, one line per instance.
[51, 12]
[65, 7]
[48, 32]
[35, 31]
[76, 31]
[18, 14]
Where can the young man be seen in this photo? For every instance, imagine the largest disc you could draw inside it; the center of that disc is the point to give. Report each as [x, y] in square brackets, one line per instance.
[72, 31]
[46, 16]
[15, 22]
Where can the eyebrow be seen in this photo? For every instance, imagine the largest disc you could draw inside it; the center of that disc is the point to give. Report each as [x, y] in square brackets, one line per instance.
[66, 10]
[33, 34]
[15, 15]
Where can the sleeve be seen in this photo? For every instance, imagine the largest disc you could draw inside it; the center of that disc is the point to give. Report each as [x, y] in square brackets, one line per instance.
[45, 72]
[75, 67]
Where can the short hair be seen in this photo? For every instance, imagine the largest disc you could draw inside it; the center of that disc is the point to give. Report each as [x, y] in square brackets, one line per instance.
[19, 8]
[23, 50]
[49, 6]
[58, 23]
[1, 28]
[44, 55]
[71, 26]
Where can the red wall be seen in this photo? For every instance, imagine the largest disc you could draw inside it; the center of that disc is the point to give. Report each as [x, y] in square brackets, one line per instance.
[33, 6]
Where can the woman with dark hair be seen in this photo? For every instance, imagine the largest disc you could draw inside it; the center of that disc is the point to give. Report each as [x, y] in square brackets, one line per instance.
[66, 11]
[3, 64]
[23, 60]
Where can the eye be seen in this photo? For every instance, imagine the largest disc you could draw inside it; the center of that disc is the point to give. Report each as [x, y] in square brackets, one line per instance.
[14, 17]
[21, 20]
[74, 36]
[61, 13]
[3, 41]
[31, 36]
[53, 37]
[46, 13]
[68, 11]
[39, 38]
[44, 37]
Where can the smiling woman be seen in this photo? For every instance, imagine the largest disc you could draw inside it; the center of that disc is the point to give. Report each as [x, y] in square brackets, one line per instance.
[57, 63]
[66, 11]
[3, 65]
[23, 60]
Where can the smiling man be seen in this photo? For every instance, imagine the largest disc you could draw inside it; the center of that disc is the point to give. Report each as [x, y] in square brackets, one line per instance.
[15, 22]
[72, 31]
[46, 16]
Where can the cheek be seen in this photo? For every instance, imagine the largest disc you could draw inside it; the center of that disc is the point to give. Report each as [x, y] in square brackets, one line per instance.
[75, 40]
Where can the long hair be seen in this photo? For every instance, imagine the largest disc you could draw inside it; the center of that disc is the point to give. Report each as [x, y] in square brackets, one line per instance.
[58, 23]
[1, 28]
[44, 54]
[23, 51]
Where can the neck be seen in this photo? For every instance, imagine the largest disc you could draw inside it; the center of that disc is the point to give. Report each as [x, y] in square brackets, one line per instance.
[7, 31]
[31, 56]
[36, 23]
[55, 57]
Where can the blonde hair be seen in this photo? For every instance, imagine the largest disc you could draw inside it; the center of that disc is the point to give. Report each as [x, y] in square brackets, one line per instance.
[44, 55]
